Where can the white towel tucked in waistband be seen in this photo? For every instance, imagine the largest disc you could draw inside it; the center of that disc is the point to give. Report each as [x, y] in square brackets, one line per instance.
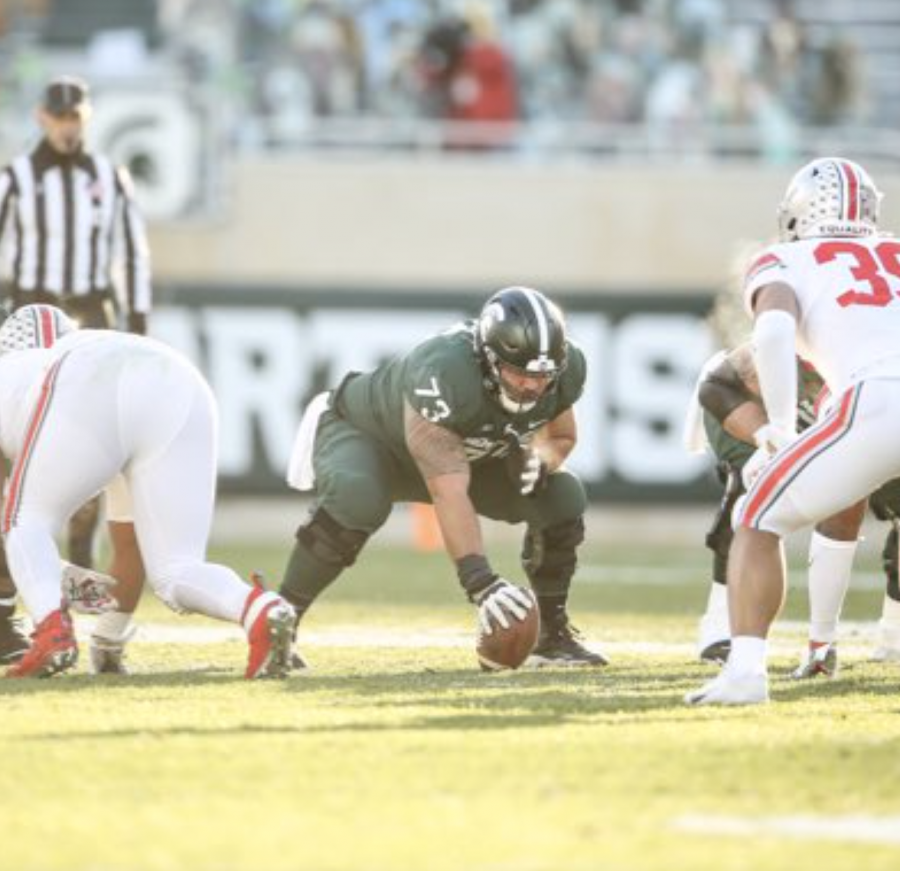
[300, 473]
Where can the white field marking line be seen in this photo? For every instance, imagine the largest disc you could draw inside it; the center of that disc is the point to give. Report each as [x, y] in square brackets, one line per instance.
[788, 639]
[859, 828]
[663, 576]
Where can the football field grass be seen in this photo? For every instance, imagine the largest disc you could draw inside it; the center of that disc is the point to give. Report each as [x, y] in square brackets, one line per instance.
[395, 752]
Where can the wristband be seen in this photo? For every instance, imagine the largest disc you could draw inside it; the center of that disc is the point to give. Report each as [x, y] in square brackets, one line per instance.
[475, 574]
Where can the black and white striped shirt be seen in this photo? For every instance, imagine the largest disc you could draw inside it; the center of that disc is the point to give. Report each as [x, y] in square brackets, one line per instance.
[69, 226]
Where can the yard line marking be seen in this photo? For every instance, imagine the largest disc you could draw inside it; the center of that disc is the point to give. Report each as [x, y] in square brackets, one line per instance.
[859, 828]
[789, 637]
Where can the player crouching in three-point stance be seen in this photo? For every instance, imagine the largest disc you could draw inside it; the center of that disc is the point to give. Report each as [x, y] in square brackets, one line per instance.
[829, 290]
[478, 421]
[73, 417]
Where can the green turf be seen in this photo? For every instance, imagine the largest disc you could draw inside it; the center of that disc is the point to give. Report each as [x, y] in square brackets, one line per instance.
[408, 758]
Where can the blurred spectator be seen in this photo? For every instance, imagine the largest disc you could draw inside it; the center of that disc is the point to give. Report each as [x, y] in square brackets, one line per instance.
[783, 49]
[553, 43]
[390, 32]
[326, 45]
[470, 78]
[837, 95]
[278, 66]
[675, 99]
[614, 92]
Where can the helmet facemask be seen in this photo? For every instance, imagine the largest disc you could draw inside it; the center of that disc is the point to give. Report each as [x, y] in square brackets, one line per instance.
[521, 335]
[518, 398]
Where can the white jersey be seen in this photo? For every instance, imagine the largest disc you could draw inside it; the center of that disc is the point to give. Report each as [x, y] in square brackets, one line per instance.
[848, 291]
[102, 404]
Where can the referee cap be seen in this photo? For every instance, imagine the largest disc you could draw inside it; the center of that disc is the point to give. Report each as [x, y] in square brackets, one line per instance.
[66, 94]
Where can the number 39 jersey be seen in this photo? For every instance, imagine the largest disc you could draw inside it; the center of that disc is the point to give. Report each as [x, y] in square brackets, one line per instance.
[442, 380]
[848, 291]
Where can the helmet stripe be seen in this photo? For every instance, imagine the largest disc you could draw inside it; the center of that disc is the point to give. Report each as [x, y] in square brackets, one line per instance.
[541, 315]
[851, 191]
[47, 328]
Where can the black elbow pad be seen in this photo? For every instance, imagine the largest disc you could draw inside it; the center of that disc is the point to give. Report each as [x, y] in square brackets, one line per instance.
[722, 391]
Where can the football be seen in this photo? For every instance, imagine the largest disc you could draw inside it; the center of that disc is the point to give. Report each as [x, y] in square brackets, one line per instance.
[508, 648]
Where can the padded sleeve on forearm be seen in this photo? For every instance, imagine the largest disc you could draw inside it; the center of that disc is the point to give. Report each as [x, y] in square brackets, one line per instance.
[774, 346]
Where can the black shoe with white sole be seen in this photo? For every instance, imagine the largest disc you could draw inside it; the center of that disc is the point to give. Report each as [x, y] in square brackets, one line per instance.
[562, 645]
[717, 652]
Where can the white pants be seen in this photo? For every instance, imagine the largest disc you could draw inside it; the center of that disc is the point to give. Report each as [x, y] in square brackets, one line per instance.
[843, 458]
[131, 407]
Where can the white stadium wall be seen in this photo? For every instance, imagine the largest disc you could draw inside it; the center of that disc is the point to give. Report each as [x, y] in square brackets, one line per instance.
[417, 223]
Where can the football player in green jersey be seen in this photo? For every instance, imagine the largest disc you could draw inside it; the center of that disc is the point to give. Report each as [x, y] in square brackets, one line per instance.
[478, 421]
[732, 413]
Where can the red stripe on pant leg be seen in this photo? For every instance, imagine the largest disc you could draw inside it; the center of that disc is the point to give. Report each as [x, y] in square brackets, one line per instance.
[770, 480]
[14, 492]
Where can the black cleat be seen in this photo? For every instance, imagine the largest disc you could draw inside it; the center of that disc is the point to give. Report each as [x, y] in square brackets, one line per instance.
[562, 646]
[13, 640]
[717, 652]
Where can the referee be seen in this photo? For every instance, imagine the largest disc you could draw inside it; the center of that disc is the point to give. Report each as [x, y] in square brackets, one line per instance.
[71, 236]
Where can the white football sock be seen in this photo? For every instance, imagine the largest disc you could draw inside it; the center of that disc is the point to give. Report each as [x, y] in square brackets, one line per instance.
[890, 614]
[714, 625]
[113, 625]
[748, 655]
[830, 566]
[717, 603]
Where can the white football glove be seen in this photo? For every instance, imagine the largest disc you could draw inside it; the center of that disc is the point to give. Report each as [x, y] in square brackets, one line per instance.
[773, 438]
[87, 591]
[770, 439]
[500, 601]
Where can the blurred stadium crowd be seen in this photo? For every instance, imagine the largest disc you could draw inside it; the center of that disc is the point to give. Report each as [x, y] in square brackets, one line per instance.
[670, 65]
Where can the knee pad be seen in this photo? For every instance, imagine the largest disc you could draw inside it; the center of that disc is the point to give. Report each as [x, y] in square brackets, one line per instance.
[330, 542]
[891, 563]
[550, 554]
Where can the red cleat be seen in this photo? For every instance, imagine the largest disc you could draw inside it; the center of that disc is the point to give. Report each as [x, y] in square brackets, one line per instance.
[53, 648]
[269, 623]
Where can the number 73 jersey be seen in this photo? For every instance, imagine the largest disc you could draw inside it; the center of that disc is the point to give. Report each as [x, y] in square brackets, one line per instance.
[442, 380]
[848, 291]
